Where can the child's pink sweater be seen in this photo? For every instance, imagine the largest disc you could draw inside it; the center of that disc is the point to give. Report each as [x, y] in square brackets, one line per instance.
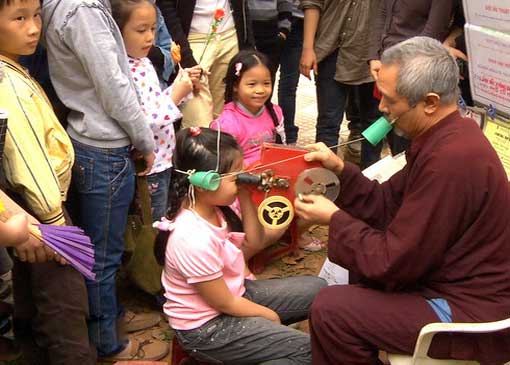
[250, 130]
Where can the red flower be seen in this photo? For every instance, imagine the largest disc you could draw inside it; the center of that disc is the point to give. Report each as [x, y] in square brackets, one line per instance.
[219, 14]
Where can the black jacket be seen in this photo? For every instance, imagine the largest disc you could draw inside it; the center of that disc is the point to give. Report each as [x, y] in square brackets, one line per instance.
[178, 15]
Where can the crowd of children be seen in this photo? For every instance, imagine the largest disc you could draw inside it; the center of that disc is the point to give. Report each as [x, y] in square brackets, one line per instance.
[120, 105]
[111, 67]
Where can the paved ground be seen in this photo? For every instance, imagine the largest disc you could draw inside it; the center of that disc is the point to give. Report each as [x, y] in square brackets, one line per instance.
[306, 112]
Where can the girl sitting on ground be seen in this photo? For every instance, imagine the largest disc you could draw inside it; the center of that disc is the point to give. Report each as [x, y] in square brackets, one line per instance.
[218, 315]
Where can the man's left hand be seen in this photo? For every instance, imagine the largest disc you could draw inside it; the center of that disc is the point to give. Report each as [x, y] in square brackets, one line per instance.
[315, 209]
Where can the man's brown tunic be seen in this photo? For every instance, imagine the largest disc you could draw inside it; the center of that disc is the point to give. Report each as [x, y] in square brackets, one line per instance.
[440, 228]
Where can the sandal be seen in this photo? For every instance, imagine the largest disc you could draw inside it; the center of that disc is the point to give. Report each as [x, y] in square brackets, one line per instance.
[148, 350]
[314, 245]
[134, 322]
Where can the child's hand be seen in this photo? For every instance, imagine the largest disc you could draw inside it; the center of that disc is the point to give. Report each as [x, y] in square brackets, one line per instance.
[32, 250]
[17, 229]
[181, 87]
[272, 316]
[195, 73]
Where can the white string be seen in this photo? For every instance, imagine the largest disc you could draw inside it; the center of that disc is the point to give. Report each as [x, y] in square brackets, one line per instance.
[191, 196]
[189, 172]
[230, 174]
[218, 148]
[285, 160]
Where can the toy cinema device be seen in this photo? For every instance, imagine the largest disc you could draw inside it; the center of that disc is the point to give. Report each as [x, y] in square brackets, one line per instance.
[277, 179]
[281, 175]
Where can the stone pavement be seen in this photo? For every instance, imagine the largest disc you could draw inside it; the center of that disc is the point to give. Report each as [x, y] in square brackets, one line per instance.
[306, 111]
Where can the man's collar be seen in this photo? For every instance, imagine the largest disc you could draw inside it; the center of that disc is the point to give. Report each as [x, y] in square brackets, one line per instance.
[418, 142]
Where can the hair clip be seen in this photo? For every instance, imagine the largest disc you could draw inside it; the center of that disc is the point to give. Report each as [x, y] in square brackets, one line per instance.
[195, 131]
[239, 67]
[165, 225]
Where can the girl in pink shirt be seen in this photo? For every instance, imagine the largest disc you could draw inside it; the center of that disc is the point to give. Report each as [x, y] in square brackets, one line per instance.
[249, 115]
[218, 315]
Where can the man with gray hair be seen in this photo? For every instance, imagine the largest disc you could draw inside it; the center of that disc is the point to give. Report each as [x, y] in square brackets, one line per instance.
[432, 243]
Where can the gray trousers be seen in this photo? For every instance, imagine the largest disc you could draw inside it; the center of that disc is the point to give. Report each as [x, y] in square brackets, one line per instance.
[255, 340]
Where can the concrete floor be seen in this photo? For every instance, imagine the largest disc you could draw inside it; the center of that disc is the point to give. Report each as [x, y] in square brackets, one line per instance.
[306, 111]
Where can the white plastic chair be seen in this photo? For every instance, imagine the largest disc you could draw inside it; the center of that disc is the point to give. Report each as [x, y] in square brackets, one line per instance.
[427, 333]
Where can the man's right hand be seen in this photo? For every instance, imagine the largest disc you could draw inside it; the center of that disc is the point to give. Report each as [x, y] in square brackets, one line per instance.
[375, 66]
[320, 152]
[149, 162]
[308, 62]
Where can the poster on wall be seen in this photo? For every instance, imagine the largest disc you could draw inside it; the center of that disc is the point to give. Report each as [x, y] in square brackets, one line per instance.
[489, 67]
[494, 14]
[497, 131]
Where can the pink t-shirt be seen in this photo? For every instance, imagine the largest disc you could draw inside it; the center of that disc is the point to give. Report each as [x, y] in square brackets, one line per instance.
[198, 251]
[250, 130]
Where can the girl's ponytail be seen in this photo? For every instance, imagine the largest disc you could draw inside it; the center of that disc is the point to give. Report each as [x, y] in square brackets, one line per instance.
[274, 117]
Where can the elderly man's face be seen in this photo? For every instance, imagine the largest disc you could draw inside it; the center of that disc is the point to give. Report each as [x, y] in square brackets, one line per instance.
[395, 106]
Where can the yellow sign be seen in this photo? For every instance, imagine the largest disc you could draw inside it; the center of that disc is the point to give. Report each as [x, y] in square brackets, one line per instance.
[497, 132]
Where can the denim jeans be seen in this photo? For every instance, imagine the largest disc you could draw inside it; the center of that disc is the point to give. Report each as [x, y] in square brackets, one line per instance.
[255, 340]
[397, 143]
[104, 180]
[331, 101]
[159, 185]
[289, 78]
[362, 110]
[267, 41]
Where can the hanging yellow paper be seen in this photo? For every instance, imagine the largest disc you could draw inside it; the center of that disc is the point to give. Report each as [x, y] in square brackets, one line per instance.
[497, 132]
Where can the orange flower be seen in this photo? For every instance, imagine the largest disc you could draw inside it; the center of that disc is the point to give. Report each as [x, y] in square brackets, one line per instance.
[176, 52]
[219, 14]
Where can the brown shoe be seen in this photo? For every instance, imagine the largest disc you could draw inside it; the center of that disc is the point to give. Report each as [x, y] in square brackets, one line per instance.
[140, 321]
[149, 350]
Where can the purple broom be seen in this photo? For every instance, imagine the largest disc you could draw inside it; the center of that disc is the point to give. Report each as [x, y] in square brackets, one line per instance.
[70, 242]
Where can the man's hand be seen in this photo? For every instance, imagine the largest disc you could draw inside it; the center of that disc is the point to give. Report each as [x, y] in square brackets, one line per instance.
[375, 66]
[308, 62]
[315, 209]
[33, 250]
[456, 53]
[320, 152]
[149, 161]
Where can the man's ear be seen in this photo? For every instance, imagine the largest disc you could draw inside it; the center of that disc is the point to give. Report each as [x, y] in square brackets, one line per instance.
[432, 103]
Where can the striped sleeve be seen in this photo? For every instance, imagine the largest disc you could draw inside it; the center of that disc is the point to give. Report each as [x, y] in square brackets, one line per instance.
[27, 163]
